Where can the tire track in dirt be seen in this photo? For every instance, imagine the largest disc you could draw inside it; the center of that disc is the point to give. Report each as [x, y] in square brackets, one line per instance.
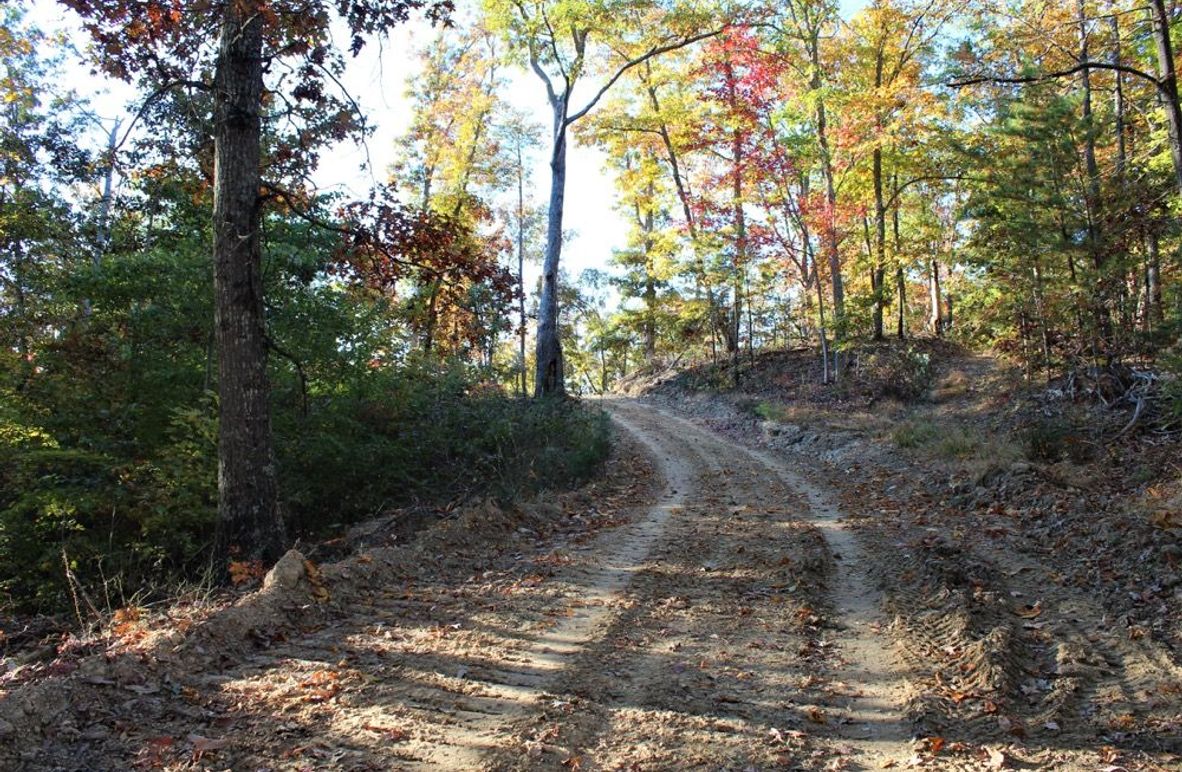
[613, 559]
[874, 724]
[714, 661]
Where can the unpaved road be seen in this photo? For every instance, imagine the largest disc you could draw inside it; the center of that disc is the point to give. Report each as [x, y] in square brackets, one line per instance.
[705, 608]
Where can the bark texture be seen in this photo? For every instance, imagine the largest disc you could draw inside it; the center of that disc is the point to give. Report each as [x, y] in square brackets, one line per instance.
[548, 377]
[249, 523]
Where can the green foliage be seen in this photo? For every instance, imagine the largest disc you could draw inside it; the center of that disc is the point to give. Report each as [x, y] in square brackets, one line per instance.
[429, 432]
[772, 411]
[108, 462]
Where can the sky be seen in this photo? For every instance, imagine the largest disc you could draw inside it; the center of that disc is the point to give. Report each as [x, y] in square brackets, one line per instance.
[377, 79]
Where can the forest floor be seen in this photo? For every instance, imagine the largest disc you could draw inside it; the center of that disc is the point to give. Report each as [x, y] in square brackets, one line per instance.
[734, 593]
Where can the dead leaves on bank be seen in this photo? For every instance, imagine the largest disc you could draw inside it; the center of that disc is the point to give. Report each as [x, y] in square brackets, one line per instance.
[321, 686]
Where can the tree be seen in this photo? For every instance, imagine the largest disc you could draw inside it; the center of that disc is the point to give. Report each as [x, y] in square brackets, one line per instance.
[739, 83]
[39, 160]
[518, 136]
[560, 40]
[167, 48]
[451, 159]
[802, 26]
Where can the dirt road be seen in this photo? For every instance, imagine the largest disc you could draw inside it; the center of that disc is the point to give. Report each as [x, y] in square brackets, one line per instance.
[705, 608]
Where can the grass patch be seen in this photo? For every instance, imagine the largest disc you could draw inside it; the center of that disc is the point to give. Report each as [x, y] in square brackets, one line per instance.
[915, 433]
[953, 442]
[773, 411]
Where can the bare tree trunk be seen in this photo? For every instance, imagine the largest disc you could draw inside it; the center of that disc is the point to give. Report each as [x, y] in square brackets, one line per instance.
[646, 221]
[1040, 307]
[879, 276]
[250, 526]
[1118, 102]
[432, 315]
[521, 269]
[821, 332]
[830, 228]
[684, 198]
[1154, 310]
[750, 315]
[936, 315]
[1102, 340]
[739, 266]
[548, 375]
[1168, 83]
[900, 275]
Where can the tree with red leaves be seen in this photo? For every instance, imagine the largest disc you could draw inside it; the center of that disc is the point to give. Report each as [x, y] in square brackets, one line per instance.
[740, 84]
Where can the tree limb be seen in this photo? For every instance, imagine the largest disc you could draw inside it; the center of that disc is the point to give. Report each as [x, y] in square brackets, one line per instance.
[1045, 76]
[655, 51]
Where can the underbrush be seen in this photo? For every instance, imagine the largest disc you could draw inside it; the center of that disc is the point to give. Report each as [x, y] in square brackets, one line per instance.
[900, 372]
[84, 526]
[952, 441]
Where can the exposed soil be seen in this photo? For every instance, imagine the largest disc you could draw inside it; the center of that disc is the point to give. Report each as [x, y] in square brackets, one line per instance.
[1036, 603]
[678, 616]
[735, 593]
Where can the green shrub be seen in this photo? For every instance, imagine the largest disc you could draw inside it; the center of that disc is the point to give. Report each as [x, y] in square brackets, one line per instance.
[112, 522]
[772, 411]
[427, 435]
[387, 439]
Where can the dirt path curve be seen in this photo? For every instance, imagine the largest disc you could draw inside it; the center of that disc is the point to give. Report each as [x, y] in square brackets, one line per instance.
[871, 670]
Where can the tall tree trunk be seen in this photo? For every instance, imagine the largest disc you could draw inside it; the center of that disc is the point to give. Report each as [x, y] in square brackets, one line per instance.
[250, 526]
[900, 275]
[548, 375]
[822, 334]
[1168, 83]
[830, 234]
[647, 223]
[740, 264]
[1102, 340]
[432, 315]
[684, 197]
[879, 211]
[1154, 310]
[521, 269]
[936, 315]
[1093, 170]
[1118, 103]
[1040, 307]
[23, 317]
[830, 225]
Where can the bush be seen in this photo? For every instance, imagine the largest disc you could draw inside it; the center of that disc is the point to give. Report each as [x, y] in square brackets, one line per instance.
[427, 434]
[423, 433]
[772, 411]
[1049, 440]
[106, 522]
[902, 373]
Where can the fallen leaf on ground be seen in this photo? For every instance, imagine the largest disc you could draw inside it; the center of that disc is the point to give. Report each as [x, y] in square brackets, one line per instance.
[995, 759]
[393, 734]
[204, 745]
[1029, 611]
